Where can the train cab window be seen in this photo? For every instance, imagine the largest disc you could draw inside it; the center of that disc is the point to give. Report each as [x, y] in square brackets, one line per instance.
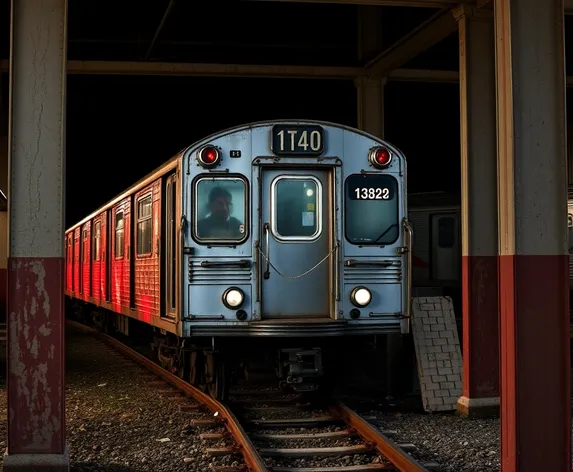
[119, 227]
[295, 208]
[220, 210]
[144, 211]
[371, 209]
[446, 232]
[97, 240]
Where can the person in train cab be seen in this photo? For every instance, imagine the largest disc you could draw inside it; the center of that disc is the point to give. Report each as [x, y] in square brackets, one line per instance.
[219, 223]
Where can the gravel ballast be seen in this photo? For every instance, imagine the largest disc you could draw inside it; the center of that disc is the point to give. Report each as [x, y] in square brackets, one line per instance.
[119, 417]
[119, 420]
[456, 444]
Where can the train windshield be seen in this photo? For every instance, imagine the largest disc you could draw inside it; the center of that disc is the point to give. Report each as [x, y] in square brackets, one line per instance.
[220, 209]
[371, 210]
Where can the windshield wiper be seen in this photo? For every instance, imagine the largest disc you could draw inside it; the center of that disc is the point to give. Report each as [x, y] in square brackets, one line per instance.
[393, 225]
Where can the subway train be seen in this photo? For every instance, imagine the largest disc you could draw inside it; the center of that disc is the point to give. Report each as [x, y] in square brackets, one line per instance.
[278, 236]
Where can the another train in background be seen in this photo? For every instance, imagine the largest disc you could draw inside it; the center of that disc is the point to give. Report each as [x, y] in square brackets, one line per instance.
[437, 248]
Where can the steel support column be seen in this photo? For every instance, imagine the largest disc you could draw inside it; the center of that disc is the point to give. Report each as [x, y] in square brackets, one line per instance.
[370, 91]
[370, 101]
[479, 209]
[532, 200]
[36, 425]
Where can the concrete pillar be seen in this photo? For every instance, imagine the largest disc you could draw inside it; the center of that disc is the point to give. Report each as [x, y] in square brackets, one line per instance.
[4, 190]
[4, 133]
[532, 189]
[36, 424]
[370, 96]
[479, 209]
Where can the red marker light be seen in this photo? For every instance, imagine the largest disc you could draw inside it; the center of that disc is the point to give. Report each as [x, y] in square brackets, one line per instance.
[208, 156]
[380, 157]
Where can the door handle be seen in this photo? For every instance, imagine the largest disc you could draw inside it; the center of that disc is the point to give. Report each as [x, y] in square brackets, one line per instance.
[267, 273]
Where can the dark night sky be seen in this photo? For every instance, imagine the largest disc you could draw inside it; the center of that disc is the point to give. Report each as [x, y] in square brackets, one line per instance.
[120, 128]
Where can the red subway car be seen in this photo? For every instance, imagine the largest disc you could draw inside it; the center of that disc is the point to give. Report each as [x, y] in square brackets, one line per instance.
[113, 256]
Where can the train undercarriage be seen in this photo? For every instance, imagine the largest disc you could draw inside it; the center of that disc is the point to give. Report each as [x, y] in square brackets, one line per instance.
[214, 364]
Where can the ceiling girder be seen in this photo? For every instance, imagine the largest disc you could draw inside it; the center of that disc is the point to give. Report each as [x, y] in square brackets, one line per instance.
[241, 70]
[429, 33]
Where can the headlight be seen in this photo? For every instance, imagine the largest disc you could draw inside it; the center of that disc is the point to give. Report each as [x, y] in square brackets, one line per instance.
[360, 296]
[233, 298]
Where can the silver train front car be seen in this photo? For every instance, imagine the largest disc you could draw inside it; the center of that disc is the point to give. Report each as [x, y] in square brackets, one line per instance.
[294, 229]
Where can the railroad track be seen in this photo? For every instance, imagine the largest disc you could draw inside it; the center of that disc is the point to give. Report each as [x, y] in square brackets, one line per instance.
[278, 431]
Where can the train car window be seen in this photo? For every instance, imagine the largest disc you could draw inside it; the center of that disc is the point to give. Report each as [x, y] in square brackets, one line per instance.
[96, 243]
[295, 208]
[220, 210]
[144, 210]
[85, 257]
[446, 232]
[371, 209]
[119, 235]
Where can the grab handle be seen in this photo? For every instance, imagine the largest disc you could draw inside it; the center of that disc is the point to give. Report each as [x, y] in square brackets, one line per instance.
[267, 273]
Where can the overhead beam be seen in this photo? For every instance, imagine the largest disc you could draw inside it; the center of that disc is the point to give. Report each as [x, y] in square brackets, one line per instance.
[208, 70]
[429, 33]
[567, 4]
[240, 70]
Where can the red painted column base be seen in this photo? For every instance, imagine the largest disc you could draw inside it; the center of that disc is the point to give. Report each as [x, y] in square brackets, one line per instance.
[480, 336]
[36, 376]
[535, 364]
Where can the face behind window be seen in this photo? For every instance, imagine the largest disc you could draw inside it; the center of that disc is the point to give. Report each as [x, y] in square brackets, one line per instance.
[221, 207]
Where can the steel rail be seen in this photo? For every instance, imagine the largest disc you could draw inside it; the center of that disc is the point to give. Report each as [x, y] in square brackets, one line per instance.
[383, 445]
[252, 458]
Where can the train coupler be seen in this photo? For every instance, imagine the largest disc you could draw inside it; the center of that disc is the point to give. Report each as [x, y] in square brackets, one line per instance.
[298, 368]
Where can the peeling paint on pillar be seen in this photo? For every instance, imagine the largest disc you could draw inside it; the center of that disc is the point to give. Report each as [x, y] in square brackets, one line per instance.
[35, 311]
[35, 299]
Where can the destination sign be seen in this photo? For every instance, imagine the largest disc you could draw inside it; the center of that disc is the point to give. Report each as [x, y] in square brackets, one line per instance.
[297, 140]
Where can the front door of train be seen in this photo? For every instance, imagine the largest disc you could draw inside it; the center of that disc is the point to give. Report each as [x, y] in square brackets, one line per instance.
[296, 235]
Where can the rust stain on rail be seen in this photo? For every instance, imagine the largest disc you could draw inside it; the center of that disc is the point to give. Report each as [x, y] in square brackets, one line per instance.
[383, 445]
[252, 458]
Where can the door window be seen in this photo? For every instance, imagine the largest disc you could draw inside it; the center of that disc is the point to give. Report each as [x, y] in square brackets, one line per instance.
[119, 234]
[296, 208]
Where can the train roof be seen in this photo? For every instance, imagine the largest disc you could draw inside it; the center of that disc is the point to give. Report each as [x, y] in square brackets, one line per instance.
[259, 124]
[171, 162]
